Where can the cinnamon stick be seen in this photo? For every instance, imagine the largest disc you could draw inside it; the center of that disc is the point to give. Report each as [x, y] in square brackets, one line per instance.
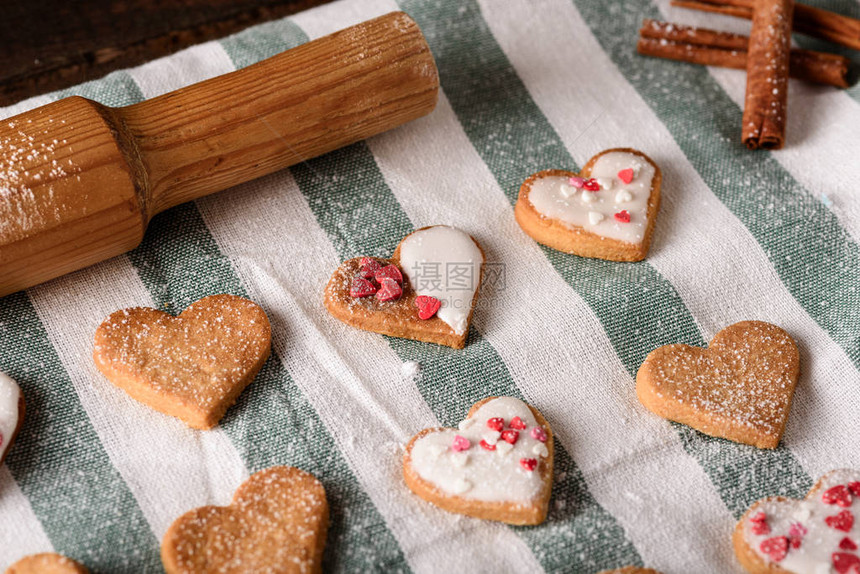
[766, 99]
[809, 20]
[726, 50]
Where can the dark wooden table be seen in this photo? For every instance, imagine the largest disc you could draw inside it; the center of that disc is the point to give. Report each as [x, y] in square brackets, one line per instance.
[46, 45]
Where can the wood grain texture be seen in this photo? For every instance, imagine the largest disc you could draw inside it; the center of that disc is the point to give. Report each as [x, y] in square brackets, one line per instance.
[53, 44]
[79, 181]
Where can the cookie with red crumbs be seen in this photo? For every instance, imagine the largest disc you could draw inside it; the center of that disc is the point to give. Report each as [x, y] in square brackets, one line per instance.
[193, 366]
[497, 465]
[607, 211]
[276, 523]
[46, 563]
[425, 292]
[739, 388]
[12, 409]
[820, 533]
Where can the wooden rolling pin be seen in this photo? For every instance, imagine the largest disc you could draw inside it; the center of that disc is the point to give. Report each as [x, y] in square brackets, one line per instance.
[79, 181]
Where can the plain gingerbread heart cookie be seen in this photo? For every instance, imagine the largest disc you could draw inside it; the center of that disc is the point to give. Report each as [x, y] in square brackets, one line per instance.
[606, 211]
[11, 413]
[818, 534]
[426, 291]
[497, 465]
[276, 523]
[46, 563]
[739, 388]
[193, 366]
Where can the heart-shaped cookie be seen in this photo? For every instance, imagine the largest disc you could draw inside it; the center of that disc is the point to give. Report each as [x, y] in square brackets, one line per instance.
[11, 413]
[606, 211]
[739, 388]
[820, 533]
[276, 523]
[426, 291]
[193, 366]
[497, 465]
[46, 563]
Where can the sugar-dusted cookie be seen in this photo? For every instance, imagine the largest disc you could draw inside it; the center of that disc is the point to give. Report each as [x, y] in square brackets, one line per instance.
[276, 523]
[497, 465]
[819, 534]
[739, 388]
[193, 366]
[426, 291]
[46, 563]
[11, 413]
[606, 211]
[630, 570]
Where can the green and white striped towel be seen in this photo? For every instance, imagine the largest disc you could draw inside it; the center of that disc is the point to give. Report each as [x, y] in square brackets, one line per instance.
[526, 85]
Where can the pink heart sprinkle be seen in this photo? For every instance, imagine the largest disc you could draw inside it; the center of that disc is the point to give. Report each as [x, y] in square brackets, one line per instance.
[576, 182]
[461, 443]
[626, 175]
[538, 434]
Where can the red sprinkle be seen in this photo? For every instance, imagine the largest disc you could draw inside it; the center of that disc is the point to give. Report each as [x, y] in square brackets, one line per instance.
[539, 434]
[427, 306]
[389, 290]
[460, 443]
[847, 544]
[528, 463]
[842, 521]
[795, 541]
[760, 516]
[517, 423]
[776, 548]
[488, 446]
[623, 216]
[369, 267]
[845, 563]
[854, 487]
[510, 436]
[361, 288]
[591, 184]
[389, 271]
[759, 525]
[626, 175]
[496, 423]
[839, 495]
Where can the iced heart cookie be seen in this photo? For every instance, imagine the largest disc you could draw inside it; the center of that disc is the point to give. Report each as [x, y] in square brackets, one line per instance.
[193, 366]
[819, 534]
[739, 388]
[46, 563]
[497, 465]
[11, 413]
[606, 211]
[426, 291]
[276, 523]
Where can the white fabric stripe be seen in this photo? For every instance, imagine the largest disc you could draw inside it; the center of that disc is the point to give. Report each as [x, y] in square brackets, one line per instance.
[605, 433]
[20, 529]
[357, 389]
[334, 16]
[168, 467]
[24, 106]
[705, 271]
[184, 68]
[821, 149]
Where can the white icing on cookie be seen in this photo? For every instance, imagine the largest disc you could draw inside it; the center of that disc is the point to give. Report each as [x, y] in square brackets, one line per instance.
[492, 475]
[576, 209]
[10, 396]
[445, 263]
[818, 543]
